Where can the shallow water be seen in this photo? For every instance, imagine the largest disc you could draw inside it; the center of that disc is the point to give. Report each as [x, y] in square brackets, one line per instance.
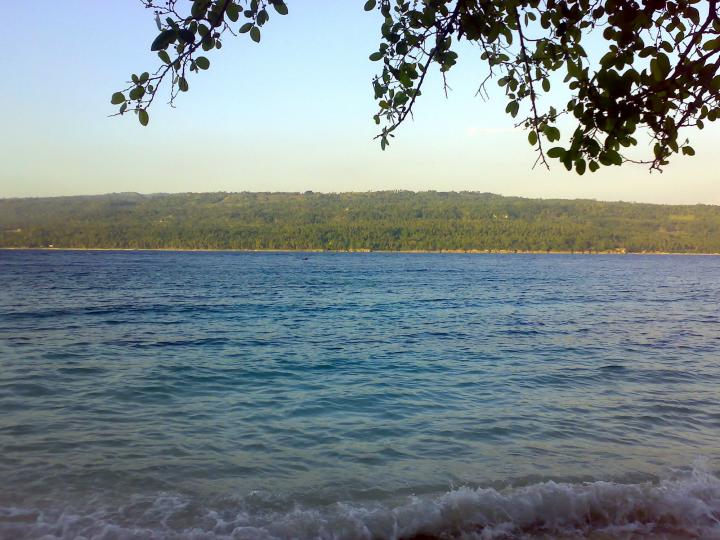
[271, 395]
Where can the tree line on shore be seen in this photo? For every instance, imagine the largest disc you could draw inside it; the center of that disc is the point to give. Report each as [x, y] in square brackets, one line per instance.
[378, 221]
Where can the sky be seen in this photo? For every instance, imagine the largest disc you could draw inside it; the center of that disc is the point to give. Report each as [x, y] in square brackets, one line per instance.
[293, 113]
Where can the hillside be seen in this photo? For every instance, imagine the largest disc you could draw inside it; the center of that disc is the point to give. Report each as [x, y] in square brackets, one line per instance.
[377, 221]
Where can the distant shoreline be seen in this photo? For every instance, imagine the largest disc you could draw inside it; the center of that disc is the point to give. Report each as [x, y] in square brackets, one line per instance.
[404, 222]
[409, 251]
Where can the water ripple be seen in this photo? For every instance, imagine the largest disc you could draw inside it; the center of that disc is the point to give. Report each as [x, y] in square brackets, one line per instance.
[341, 376]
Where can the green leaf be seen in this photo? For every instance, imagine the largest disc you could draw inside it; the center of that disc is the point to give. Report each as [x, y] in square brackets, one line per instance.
[552, 133]
[370, 5]
[202, 62]
[556, 152]
[164, 39]
[660, 66]
[233, 11]
[117, 98]
[199, 8]
[262, 17]
[246, 27]
[187, 36]
[712, 45]
[546, 85]
[164, 56]
[580, 166]
[532, 137]
[255, 34]
[143, 117]
[688, 151]
[281, 8]
[512, 108]
[137, 93]
[183, 84]
[376, 56]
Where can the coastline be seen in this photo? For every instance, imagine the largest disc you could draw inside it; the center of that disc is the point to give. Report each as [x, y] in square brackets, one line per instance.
[409, 251]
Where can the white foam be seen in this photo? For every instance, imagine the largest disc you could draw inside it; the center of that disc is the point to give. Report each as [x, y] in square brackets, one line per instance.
[685, 506]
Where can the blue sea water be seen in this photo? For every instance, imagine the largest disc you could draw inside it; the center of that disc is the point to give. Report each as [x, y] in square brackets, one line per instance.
[358, 396]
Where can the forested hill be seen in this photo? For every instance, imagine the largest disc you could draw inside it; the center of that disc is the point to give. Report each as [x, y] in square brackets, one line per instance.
[387, 220]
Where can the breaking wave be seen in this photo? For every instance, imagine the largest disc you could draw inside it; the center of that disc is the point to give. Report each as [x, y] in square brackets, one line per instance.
[685, 505]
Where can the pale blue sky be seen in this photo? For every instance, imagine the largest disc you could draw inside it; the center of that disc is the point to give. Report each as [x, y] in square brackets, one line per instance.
[291, 114]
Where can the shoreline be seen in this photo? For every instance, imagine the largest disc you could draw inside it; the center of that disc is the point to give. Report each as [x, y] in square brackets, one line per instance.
[409, 251]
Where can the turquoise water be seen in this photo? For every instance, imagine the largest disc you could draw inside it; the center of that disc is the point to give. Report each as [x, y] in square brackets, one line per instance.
[326, 395]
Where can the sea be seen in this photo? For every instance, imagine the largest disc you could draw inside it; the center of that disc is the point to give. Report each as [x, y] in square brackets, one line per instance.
[208, 395]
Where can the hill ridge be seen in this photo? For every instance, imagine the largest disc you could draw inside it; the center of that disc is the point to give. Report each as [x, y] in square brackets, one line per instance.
[391, 220]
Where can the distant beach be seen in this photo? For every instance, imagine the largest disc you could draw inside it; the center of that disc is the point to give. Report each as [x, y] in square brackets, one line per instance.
[418, 251]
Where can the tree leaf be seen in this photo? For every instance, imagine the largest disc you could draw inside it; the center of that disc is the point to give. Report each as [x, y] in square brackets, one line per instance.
[233, 11]
[164, 39]
[712, 45]
[143, 117]
[137, 93]
[255, 34]
[202, 62]
[186, 35]
[262, 17]
[580, 166]
[117, 98]
[552, 133]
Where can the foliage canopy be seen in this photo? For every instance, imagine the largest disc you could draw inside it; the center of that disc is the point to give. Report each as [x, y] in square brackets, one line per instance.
[390, 220]
[656, 71]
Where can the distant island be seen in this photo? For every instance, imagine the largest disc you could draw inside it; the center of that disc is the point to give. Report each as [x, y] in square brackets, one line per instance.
[373, 221]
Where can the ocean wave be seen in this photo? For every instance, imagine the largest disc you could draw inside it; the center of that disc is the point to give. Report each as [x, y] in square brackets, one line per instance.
[684, 506]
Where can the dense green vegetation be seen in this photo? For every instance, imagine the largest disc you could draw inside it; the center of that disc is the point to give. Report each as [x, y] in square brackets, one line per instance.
[386, 220]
